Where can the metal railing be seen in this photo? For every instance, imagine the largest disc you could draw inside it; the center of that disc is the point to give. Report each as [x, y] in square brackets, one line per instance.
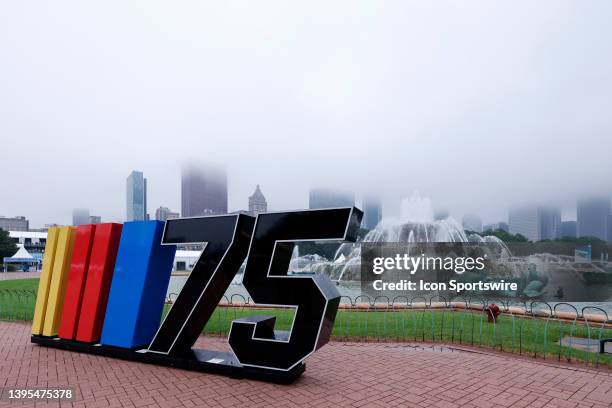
[558, 331]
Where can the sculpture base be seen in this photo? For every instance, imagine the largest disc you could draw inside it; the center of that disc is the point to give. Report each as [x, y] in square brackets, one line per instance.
[207, 361]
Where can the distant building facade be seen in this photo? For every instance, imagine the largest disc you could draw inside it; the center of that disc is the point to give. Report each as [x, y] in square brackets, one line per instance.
[536, 223]
[80, 216]
[203, 191]
[14, 223]
[165, 214]
[594, 218]
[327, 198]
[525, 221]
[136, 197]
[33, 241]
[472, 222]
[503, 226]
[46, 227]
[95, 219]
[257, 202]
[568, 229]
[550, 222]
[372, 212]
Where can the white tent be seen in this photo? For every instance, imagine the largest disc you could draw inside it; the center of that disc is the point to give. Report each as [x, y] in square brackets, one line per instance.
[22, 256]
[22, 253]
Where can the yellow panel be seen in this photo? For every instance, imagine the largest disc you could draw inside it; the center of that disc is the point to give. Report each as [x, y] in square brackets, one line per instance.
[45, 280]
[59, 279]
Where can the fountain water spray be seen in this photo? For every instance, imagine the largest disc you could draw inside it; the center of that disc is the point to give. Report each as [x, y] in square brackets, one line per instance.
[416, 224]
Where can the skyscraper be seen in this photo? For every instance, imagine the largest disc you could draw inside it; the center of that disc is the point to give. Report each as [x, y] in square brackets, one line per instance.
[550, 222]
[164, 214]
[80, 216]
[326, 198]
[535, 222]
[471, 222]
[594, 218]
[203, 191]
[525, 221]
[136, 197]
[372, 212]
[257, 202]
[568, 229]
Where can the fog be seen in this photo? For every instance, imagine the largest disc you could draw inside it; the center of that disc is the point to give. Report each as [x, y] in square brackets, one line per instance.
[479, 105]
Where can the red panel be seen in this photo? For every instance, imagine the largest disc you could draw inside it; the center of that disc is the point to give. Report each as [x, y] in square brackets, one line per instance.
[97, 284]
[76, 281]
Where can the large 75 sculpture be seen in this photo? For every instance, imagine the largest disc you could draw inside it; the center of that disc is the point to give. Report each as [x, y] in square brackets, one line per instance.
[103, 287]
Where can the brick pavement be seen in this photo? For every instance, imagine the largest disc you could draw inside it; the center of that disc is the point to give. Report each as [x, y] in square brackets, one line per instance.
[338, 375]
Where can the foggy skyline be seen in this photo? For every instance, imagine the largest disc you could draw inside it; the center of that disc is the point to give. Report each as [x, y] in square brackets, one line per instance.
[479, 106]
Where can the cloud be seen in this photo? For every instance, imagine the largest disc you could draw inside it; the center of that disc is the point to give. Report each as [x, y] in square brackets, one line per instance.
[476, 105]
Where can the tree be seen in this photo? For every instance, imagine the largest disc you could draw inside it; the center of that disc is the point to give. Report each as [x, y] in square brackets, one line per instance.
[583, 240]
[506, 236]
[7, 246]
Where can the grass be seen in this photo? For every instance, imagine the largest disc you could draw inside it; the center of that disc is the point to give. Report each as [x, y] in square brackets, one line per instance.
[17, 298]
[20, 284]
[521, 335]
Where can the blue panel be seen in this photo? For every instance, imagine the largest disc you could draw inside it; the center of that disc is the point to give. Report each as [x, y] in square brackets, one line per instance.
[140, 281]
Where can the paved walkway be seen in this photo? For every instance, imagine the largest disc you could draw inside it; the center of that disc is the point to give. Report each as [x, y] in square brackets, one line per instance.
[18, 275]
[338, 375]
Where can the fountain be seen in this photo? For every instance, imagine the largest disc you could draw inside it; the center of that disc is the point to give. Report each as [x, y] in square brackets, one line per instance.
[537, 273]
[416, 224]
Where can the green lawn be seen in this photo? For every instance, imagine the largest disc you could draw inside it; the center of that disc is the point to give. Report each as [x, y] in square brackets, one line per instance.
[20, 284]
[17, 299]
[522, 335]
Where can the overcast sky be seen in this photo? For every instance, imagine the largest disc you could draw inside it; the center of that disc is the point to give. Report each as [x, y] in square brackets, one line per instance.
[477, 104]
